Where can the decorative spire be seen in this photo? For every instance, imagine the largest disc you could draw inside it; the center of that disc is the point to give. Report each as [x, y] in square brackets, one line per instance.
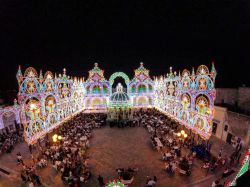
[64, 71]
[15, 102]
[19, 75]
[41, 75]
[213, 71]
[19, 71]
[141, 73]
[193, 74]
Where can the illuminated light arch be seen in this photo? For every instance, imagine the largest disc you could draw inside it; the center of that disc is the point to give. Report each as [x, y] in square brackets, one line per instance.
[50, 104]
[186, 83]
[119, 74]
[133, 88]
[51, 110]
[30, 72]
[202, 104]
[95, 102]
[200, 123]
[96, 89]
[186, 100]
[142, 100]
[185, 73]
[150, 88]
[105, 88]
[202, 70]
[48, 75]
[209, 85]
[88, 89]
[88, 102]
[142, 88]
[76, 95]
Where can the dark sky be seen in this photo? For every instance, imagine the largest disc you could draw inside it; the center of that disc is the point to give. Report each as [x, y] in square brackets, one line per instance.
[52, 34]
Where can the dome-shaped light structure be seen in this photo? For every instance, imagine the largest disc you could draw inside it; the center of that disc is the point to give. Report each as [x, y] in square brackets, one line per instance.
[119, 98]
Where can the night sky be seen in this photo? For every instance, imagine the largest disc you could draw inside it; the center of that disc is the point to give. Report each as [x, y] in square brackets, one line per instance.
[53, 34]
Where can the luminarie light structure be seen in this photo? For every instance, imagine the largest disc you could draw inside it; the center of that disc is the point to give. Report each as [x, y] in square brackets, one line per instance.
[46, 100]
[188, 98]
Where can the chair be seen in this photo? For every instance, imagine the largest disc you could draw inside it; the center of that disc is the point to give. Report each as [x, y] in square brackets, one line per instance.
[182, 172]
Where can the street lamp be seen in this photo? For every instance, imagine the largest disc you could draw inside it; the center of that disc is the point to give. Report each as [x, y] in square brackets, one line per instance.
[182, 134]
[56, 137]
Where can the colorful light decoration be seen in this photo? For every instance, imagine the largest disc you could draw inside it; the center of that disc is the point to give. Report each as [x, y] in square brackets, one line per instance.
[188, 98]
[141, 87]
[245, 167]
[97, 89]
[46, 101]
[116, 184]
[119, 99]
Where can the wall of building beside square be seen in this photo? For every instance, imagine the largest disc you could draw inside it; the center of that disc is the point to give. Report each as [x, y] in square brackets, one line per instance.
[236, 98]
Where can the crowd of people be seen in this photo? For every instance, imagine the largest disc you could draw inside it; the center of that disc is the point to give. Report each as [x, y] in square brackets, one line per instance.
[163, 131]
[67, 154]
[9, 140]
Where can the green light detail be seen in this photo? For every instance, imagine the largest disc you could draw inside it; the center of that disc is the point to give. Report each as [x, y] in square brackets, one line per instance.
[114, 183]
[243, 170]
[119, 74]
[96, 90]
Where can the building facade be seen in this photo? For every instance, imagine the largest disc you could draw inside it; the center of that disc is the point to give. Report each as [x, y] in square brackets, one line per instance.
[231, 127]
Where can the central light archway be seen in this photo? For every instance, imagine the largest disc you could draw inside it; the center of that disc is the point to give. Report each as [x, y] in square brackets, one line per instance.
[119, 74]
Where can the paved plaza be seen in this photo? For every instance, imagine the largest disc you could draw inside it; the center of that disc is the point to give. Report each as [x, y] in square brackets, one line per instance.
[111, 148]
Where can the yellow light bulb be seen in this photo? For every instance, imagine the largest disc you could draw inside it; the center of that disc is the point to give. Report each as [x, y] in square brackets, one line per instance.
[54, 136]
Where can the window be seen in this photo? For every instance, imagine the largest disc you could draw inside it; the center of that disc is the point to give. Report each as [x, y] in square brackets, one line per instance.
[214, 129]
[226, 128]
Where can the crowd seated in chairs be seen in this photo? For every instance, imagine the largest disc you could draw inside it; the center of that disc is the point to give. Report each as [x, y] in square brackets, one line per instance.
[163, 134]
[8, 141]
[68, 156]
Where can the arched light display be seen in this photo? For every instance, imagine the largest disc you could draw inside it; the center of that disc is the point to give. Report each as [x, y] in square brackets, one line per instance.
[97, 89]
[47, 100]
[119, 74]
[141, 87]
[188, 98]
